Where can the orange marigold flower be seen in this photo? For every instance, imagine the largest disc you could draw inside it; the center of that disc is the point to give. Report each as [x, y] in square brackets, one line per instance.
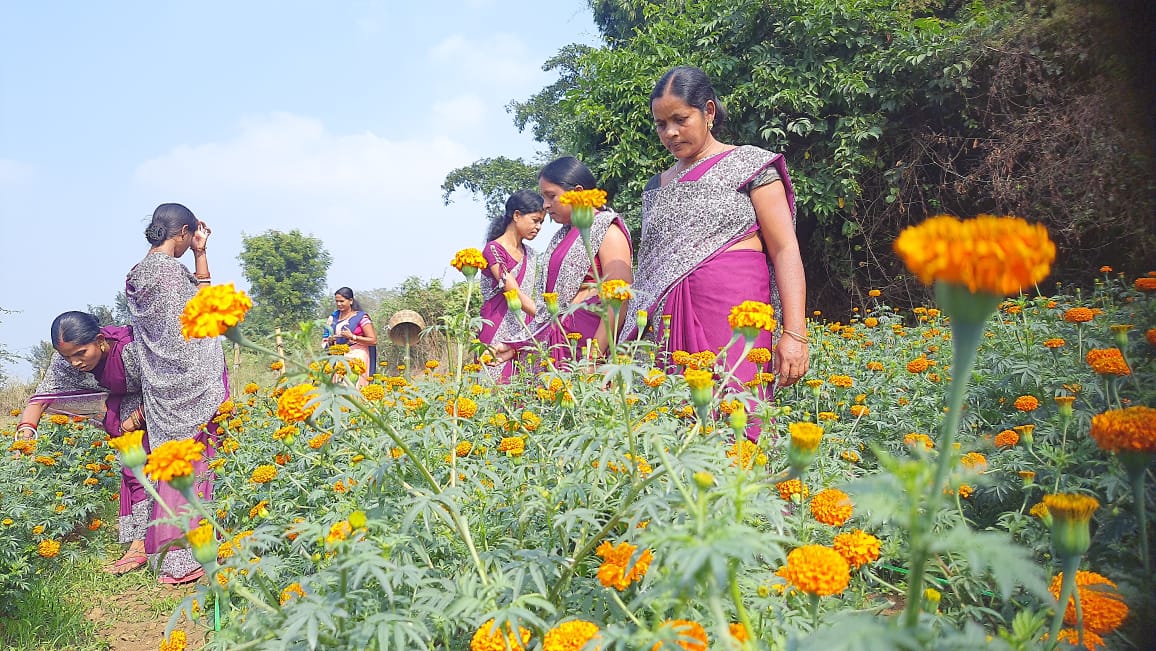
[615, 291]
[291, 591]
[746, 454]
[790, 488]
[319, 440]
[817, 570]
[490, 637]
[918, 365]
[297, 403]
[213, 310]
[177, 641]
[515, 446]
[691, 635]
[1027, 403]
[462, 407]
[173, 459]
[1150, 335]
[1145, 284]
[974, 461]
[1007, 439]
[831, 506]
[48, 548]
[858, 547]
[994, 255]
[263, 474]
[616, 570]
[858, 411]
[874, 366]
[654, 378]
[1078, 315]
[1103, 606]
[593, 198]
[759, 356]
[914, 439]
[573, 635]
[1053, 343]
[753, 316]
[1108, 361]
[1132, 429]
[469, 258]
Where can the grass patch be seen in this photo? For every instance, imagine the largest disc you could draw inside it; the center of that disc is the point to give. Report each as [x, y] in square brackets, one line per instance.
[51, 615]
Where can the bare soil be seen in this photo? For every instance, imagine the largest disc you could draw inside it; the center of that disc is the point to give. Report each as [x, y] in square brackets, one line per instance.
[135, 619]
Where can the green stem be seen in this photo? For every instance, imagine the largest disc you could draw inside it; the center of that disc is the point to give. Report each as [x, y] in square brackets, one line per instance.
[737, 598]
[1070, 565]
[1137, 468]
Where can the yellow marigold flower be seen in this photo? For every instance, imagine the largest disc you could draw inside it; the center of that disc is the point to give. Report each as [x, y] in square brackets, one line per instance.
[462, 407]
[1078, 315]
[1103, 606]
[286, 433]
[654, 378]
[1145, 284]
[615, 291]
[918, 365]
[48, 548]
[974, 461]
[1108, 361]
[738, 631]
[593, 198]
[432, 364]
[680, 357]
[870, 322]
[850, 456]
[463, 449]
[1132, 429]
[1027, 403]
[965, 491]
[691, 635]
[994, 255]
[1007, 439]
[746, 454]
[858, 547]
[173, 459]
[699, 379]
[759, 356]
[297, 403]
[373, 392]
[263, 474]
[827, 415]
[471, 258]
[531, 421]
[338, 532]
[514, 446]
[58, 419]
[859, 411]
[292, 590]
[791, 488]
[841, 381]
[749, 317]
[1040, 510]
[832, 507]
[490, 637]
[874, 366]
[319, 440]
[276, 365]
[177, 641]
[817, 570]
[914, 439]
[616, 570]
[805, 436]
[213, 310]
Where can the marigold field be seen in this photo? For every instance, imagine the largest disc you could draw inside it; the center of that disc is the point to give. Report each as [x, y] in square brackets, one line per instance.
[608, 508]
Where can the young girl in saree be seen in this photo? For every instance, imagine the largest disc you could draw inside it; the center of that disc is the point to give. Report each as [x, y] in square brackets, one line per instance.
[710, 224]
[513, 266]
[183, 381]
[350, 325]
[95, 372]
[569, 274]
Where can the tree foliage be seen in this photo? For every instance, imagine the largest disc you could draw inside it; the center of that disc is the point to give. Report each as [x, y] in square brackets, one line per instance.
[287, 278]
[493, 179]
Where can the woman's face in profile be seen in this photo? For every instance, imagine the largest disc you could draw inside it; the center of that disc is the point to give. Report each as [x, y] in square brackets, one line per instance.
[528, 224]
[550, 192]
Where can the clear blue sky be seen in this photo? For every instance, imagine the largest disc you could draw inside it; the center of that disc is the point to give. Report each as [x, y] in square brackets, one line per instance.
[337, 118]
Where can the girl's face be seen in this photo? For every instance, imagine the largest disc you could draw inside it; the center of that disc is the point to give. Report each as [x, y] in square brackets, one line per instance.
[550, 192]
[343, 304]
[682, 128]
[83, 357]
[527, 224]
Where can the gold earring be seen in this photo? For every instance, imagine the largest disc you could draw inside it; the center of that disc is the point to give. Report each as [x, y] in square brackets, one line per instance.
[710, 126]
[104, 346]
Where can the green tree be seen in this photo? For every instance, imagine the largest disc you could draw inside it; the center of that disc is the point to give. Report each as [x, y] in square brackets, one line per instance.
[103, 313]
[493, 179]
[287, 278]
[40, 356]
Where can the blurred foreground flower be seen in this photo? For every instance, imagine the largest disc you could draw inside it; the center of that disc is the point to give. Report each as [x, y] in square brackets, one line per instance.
[214, 310]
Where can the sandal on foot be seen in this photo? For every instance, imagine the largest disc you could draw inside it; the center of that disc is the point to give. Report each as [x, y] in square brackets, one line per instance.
[165, 579]
[127, 563]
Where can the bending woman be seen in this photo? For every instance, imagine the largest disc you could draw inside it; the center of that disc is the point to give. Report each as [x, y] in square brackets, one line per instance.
[351, 326]
[569, 273]
[183, 381]
[710, 224]
[98, 365]
[513, 266]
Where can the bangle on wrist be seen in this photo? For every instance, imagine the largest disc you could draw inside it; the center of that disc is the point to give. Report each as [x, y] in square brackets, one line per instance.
[25, 427]
[796, 336]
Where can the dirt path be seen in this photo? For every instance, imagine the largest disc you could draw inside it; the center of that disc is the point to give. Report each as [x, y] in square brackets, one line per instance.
[134, 618]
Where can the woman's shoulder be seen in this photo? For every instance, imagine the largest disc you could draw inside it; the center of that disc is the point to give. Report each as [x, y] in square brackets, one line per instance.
[754, 154]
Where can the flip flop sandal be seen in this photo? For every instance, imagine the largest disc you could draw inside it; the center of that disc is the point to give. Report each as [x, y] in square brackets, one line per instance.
[196, 574]
[126, 564]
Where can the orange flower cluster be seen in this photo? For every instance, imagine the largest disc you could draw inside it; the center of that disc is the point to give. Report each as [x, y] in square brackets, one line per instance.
[48, 548]
[1145, 284]
[515, 446]
[759, 356]
[615, 291]
[1027, 403]
[573, 635]
[469, 258]
[1092, 642]
[745, 454]
[213, 310]
[462, 407]
[490, 637]
[790, 488]
[858, 547]
[177, 641]
[594, 198]
[173, 459]
[263, 474]
[1150, 336]
[616, 571]
[994, 255]
[297, 403]
[817, 570]
[752, 315]
[1108, 361]
[1054, 343]
[831, 506]
[1132, 429]
[915, 439]
[291, 591]
[1104, 608]
[692, 636]
[1007, 439]
[974, 461]
[918, 365]
[1079, 315]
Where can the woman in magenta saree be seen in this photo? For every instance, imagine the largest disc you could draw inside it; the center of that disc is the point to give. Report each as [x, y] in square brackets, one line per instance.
[95, 373]
[569, 275]
[183, 381]
[513, 266]
[710, 225]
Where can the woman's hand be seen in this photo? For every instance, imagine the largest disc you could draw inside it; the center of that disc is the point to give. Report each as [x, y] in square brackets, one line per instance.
[792, 360]
[502, 353]
[201, 237]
